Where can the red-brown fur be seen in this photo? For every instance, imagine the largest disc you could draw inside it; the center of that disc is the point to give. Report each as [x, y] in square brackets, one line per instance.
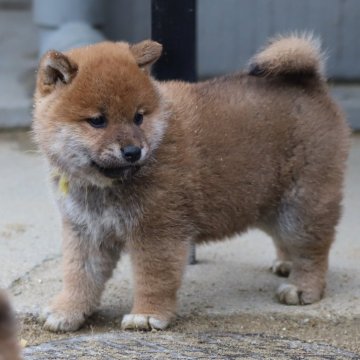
[265, 148]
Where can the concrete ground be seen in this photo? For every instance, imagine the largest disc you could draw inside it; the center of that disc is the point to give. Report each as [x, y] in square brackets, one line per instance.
[229, 290]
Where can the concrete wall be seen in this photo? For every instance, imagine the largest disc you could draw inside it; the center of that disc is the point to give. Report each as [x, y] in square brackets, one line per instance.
[230, 31]
[15, 4]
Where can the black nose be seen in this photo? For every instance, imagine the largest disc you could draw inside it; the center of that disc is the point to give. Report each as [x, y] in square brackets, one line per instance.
[131, 153]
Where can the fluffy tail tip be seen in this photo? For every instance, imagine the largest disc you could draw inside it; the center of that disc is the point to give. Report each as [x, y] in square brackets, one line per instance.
[289, 56]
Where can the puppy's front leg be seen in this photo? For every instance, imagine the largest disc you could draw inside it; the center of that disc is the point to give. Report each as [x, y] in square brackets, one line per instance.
[87, 266]
[158, 266]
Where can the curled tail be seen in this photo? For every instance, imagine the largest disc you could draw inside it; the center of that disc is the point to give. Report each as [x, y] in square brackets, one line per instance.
[289, 57]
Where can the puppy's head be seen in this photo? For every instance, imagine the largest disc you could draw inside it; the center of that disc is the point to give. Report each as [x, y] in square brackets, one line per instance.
[98, 114]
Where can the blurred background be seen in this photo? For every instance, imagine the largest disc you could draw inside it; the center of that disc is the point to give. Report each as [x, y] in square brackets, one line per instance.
[228, 33]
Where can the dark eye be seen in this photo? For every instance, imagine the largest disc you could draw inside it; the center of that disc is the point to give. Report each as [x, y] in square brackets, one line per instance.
[98, 122]
[138, 119]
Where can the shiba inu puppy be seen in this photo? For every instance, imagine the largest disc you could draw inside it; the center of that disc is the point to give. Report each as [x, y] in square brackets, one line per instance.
[9, 347]
[152, 166]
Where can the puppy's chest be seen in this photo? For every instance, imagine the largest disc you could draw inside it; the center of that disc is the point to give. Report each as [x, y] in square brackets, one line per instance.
[101, 214]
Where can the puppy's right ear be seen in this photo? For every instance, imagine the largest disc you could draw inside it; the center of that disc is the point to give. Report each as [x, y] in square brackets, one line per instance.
[146, 53]
[55, 68]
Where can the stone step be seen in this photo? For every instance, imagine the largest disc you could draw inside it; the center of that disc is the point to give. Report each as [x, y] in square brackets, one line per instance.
[214, 345]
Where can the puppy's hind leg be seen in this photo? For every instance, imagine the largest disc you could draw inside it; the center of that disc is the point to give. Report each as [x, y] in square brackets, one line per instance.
[282, 264]
[307, 236]
[87, 266]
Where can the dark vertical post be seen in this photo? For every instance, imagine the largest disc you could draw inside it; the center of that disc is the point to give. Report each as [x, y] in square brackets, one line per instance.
[173, 25]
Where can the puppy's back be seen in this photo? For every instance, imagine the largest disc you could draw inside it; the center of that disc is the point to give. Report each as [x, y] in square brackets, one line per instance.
[250, 133]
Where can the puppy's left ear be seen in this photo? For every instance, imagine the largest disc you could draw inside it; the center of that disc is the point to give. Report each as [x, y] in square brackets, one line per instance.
[55, 68]
[146, 53]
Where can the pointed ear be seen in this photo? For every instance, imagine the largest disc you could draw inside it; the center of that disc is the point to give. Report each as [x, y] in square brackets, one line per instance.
[146, 53]
[55, 68]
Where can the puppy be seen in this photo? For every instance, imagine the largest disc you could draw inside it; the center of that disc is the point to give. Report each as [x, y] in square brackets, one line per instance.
[155, 165]
[9, 347]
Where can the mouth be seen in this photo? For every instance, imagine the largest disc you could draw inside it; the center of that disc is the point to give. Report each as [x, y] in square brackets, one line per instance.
[116, 172]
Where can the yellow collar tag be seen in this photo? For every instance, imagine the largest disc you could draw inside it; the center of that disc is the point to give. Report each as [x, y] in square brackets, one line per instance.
[63, 181]
[63, 185]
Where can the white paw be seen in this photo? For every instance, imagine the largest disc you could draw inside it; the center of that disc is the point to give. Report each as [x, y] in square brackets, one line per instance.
[281, 268]
[60, 322]
[143, 322]
[289, 294]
